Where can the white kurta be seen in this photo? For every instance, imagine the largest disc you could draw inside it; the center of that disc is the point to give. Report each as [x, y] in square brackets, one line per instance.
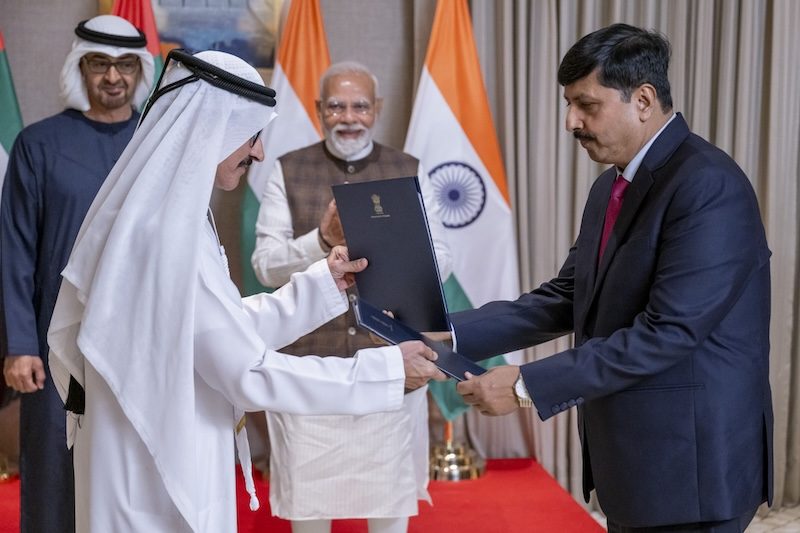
[370, 466]
[118, 484]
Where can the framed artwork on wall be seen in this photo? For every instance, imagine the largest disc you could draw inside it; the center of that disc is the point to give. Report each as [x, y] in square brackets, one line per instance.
[246, 28]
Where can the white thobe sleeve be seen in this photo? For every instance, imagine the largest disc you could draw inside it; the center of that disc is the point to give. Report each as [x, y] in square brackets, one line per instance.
[277, 253]
[444, 259]
[232, 356]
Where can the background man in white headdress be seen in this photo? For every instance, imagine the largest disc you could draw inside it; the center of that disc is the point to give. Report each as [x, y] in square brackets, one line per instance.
[150, 327]
[55, 168]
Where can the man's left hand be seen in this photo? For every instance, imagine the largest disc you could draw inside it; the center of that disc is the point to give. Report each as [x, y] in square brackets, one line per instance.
[342, 269]
[491, 393]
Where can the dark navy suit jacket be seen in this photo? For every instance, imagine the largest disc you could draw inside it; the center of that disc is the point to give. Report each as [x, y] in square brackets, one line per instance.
[671, 360]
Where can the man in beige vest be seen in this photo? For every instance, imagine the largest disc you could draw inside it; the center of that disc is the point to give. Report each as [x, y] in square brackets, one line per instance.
[330, 467]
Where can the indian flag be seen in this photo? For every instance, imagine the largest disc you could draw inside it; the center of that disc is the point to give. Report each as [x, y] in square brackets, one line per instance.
[452, 134]
[140, 14]
[302, 58]
[10, 119]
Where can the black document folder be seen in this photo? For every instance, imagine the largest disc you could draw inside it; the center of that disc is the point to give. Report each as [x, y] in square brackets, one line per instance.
[393, 331]
[385, 221]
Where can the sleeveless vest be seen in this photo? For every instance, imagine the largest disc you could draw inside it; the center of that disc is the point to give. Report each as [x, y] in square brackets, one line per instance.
[308, 175]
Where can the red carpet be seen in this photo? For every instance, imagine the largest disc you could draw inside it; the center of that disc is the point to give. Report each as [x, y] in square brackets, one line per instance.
[513, 495]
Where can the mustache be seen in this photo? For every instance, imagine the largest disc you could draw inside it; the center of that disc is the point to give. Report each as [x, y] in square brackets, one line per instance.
[118, 85]
[245, 163]
[348, 128]
[582, 136]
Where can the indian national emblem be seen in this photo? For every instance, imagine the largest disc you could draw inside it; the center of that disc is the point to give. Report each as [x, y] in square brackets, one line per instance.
[376, 204]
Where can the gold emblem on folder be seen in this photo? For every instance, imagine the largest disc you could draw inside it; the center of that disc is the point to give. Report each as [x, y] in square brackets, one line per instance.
[376, 204]
[377, 208]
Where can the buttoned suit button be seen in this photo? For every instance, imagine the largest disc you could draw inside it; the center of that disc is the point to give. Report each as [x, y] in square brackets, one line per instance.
[555, 410]
[351, 330]
[351, 169]
[564, 406]
[571, 403]
[579, 400]
[352, 297]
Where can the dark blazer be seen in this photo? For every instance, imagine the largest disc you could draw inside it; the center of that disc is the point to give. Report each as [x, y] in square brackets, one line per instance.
[671, 361]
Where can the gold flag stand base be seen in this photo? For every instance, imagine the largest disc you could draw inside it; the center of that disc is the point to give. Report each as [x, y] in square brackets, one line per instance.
[454, 462]
[7, 471]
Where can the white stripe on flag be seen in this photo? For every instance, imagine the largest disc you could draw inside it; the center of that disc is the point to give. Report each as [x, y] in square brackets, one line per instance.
[291, 129]
[484, 249]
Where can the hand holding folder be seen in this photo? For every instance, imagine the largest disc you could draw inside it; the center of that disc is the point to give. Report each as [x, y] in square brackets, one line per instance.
[385, 222]
[438, 336]
[393, 331]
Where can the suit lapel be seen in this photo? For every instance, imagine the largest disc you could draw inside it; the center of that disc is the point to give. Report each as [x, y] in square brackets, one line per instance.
[589, 245]
[634, 197]
[656, 157]
[593, 224]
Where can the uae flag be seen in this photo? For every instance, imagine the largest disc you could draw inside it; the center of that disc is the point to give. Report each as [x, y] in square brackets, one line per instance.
[302, 58]
[452, 134]
[10, 119]
[140, 14]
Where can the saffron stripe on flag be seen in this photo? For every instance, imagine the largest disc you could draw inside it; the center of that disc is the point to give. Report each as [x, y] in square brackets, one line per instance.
[452, 61]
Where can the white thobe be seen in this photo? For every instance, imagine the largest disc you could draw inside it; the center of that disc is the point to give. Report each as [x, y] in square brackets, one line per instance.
[118, 486]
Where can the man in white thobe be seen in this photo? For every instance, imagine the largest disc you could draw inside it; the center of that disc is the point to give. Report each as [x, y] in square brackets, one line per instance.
[153, 350]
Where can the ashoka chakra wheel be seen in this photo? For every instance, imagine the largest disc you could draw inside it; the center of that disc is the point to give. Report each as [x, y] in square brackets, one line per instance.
[460, 193]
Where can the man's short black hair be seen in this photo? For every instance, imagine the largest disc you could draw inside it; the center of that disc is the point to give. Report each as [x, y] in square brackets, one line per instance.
[625, 57]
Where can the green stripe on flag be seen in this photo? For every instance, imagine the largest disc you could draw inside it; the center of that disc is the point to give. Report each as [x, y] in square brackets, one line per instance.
[158, 62]
[10, 118]
[250, 205]
[444, 392]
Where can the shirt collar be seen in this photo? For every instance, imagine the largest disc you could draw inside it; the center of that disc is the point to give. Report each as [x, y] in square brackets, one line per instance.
[630, 171]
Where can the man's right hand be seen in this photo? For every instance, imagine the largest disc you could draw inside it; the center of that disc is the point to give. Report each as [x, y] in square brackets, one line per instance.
[24, 373]
[417, 364]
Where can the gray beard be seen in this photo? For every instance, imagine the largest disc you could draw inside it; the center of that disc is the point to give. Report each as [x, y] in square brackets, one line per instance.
[349, 148]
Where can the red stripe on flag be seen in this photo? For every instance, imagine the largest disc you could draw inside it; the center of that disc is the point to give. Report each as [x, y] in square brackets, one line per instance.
[2, 43]
[140, 14]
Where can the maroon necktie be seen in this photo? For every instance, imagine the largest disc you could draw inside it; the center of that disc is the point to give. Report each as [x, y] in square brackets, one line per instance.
[612, 211]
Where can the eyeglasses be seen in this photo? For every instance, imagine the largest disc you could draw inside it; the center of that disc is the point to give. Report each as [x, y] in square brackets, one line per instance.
[100, 65]
[254, 138]
[334, 108]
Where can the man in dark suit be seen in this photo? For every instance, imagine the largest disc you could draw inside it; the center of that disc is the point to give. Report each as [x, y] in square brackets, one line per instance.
[667, 290]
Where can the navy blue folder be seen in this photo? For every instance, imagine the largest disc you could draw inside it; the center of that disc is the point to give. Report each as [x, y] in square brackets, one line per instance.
[393, 331]
[385, 221]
